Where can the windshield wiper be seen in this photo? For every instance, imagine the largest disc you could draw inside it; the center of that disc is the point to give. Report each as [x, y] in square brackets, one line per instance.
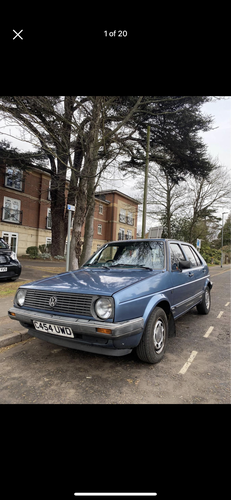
[132, 265]
[98, 267]
[145, 267]
[122, 265]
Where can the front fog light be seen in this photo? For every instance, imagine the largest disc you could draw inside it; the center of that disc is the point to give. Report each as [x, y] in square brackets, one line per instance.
[20, 297]
[104, 308]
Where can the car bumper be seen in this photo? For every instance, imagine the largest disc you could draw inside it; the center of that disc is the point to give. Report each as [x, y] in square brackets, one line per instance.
[13, 271]
[124, 336]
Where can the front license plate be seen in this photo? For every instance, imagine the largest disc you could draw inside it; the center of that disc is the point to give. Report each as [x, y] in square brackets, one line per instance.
[64, 331]
[3, 269]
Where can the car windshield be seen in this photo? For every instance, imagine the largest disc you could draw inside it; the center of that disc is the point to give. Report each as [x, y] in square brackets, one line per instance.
[147, 254]
[3, 244]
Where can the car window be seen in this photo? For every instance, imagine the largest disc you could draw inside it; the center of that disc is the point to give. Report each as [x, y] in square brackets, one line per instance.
[3, 244]
[198, 260]
[108, 254]
[190, 255]
[176, 255]
[131, 254]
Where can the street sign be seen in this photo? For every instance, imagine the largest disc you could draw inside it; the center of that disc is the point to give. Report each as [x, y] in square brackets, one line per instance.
[71, 207]
[155, 232]
[198, 243]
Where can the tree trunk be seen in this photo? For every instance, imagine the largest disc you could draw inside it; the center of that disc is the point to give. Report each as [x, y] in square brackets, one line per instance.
[79, 217]
[88, 234]
[58, 210]
[86, 184]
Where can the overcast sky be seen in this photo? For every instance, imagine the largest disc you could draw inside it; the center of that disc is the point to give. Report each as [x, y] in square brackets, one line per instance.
[218, 142]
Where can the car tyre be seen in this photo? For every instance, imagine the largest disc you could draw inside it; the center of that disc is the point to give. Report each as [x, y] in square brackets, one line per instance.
[205, 304]
[153, 343]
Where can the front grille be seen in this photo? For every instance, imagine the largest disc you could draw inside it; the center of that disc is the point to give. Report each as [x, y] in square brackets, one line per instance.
[68, 303]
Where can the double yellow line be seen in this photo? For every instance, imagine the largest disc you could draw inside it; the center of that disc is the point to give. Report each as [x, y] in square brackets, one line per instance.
[222, 272]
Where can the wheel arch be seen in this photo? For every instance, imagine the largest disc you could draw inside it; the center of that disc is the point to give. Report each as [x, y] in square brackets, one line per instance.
[208, 283]
[162, 302]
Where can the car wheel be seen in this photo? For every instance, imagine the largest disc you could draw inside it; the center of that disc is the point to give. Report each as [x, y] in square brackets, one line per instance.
[152, 346]
[204, 306]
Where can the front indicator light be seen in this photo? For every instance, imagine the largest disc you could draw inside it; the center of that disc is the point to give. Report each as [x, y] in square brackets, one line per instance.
[103, 330]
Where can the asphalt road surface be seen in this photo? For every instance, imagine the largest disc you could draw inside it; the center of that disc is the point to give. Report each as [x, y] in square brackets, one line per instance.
[195, 369]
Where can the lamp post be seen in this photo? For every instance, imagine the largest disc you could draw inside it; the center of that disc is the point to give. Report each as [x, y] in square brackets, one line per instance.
[222, 238]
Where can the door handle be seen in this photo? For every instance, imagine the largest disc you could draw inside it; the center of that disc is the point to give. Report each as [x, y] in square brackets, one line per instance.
[190, 274]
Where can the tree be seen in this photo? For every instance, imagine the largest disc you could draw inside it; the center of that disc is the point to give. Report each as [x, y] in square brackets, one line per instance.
[174, 141]
[49, 120]
[62, 126]
[206, 196]
[75, 132]
[25, 160]
[165, 199]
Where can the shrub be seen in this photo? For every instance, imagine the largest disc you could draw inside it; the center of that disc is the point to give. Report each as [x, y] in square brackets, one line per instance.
[32, 252]
[45, 255]
[42, 248]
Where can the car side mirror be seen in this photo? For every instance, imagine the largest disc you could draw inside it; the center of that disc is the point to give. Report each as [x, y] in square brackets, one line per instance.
[184, 264]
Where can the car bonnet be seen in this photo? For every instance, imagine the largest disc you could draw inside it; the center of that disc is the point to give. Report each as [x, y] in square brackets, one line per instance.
[104, 281]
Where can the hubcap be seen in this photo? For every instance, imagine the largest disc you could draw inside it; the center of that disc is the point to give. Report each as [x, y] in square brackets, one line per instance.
[207, 299]
[159, 336]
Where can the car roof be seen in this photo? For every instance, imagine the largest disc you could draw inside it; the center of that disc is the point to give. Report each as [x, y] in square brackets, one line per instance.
[146, 239]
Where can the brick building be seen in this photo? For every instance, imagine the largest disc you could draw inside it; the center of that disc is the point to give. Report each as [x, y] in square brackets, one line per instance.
[25, 217]
[115, 217]
[25, 208]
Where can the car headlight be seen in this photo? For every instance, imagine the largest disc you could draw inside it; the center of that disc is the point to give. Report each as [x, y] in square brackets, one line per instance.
[104, 308]
[20, 297]
[13, 256]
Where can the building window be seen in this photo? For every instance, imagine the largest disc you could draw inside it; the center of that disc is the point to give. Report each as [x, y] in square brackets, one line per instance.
[122, 216]
[129, 235]
[130, 219]
[49, 191]
[101, 209]
[13, 178]
[121, 235]
[99, 228]
[11, 210]
[48, 225]
[12, 240]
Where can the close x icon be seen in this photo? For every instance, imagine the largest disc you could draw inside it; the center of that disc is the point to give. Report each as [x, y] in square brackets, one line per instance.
[18, 34]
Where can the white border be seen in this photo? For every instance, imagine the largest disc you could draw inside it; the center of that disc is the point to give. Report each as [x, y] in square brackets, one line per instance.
[115, 494]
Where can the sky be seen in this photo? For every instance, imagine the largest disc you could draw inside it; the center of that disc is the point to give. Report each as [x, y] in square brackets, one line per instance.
[218, 143]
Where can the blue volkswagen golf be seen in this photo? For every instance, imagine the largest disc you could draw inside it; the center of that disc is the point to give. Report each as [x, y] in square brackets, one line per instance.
[127, 295]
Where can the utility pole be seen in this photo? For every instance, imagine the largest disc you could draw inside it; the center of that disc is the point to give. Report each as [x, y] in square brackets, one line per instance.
[222, 238]
[146, 184]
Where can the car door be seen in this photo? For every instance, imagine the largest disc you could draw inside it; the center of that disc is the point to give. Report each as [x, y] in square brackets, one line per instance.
[183, 282]
[197, 271]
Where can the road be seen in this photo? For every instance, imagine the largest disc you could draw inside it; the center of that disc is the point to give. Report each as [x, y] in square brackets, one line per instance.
[195, 369]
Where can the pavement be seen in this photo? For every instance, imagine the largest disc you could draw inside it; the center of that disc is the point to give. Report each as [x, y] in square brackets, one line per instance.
[11, 331]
